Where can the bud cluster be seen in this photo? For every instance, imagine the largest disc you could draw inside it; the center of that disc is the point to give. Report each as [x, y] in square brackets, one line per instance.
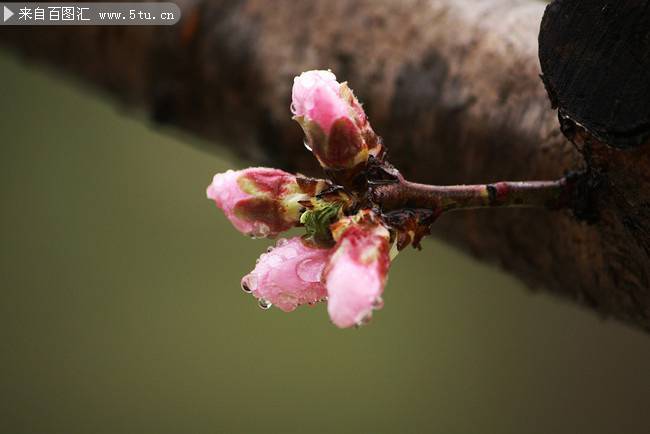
[358, 219]
[345, 255]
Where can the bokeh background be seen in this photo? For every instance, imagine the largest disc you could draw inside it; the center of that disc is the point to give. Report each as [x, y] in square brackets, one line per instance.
[121, 311]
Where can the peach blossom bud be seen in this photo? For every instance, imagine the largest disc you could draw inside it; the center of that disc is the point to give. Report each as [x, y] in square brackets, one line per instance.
[259, 202]
[357, 271]
[288, 275]
[335, 125]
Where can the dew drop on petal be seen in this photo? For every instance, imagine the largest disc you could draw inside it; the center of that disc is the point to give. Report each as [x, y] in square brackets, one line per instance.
[310, 270]
[365, 320]
[249, 283]
[264, 304]
[259, 230]
[281, 242]
[274, 261]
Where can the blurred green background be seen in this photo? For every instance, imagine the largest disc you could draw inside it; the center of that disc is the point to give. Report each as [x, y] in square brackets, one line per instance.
[121, 310]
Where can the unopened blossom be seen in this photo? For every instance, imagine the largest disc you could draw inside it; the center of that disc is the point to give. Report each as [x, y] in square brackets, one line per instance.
[356, 273]
[288, 275]
[259, 201]
[335, 125]
[344, 255]
[357, 219]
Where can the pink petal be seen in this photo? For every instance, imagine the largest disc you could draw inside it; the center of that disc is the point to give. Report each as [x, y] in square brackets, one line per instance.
[288, 275]
[316, 96]
[226, 193]
[259, 211]
[356, 274]
[335, 125]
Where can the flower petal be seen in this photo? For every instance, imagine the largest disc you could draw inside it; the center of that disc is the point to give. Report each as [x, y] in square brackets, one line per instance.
[315, 95]
[288, 275]
[335, 124]
[357, 272]
[258, 201]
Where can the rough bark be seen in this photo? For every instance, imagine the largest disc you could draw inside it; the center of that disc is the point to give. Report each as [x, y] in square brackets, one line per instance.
[595, 55]
[452, 85]
[595, 58]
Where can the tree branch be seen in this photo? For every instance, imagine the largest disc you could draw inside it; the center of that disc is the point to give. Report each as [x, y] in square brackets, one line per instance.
[551, 195]
[452, 86]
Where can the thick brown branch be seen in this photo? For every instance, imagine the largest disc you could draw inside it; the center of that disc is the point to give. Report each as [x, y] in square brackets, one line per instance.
[452, 85]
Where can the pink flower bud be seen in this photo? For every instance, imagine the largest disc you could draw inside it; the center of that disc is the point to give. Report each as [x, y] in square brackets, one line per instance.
[288, 275]
[357, 271]
[334, 122]
[258, 201]
[316, 96]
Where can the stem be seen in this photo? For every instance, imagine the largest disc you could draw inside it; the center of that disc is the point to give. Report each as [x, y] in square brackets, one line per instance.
[405, 194]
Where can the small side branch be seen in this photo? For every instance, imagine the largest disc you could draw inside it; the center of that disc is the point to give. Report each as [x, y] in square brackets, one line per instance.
[405, 194]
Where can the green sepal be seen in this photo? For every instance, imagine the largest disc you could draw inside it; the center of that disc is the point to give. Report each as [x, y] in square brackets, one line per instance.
[318, 219]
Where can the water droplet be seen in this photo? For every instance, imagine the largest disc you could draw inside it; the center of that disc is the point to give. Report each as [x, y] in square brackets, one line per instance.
[281, 242]
[274, 261]
[306, 143]
[310, 270]
[264, 304]
[290, 253]
[378, 303]
[249, 283]
[260, 230]
[269, 249]
[365, 320]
